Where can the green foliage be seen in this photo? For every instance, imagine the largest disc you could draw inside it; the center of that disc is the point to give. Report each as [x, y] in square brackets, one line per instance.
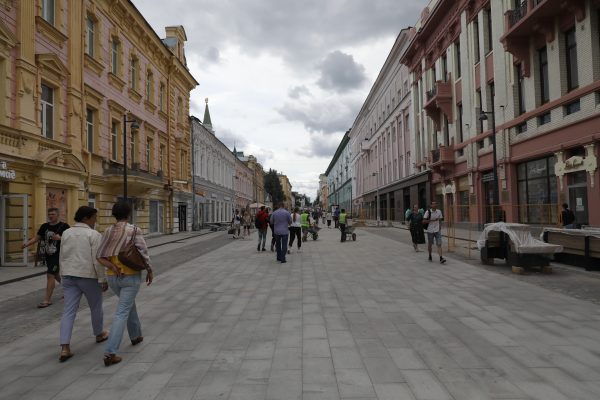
[273, 186]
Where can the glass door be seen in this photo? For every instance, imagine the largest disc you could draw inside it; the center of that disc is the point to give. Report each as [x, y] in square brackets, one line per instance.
[13, 226]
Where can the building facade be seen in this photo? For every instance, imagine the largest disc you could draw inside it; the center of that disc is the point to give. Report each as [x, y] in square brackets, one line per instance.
[286, 187]
[382, 141]
[243, 184]
[323, 192]
[339, 177]
[258, 181]
[73, 73]
[214, 171]
[532, 69]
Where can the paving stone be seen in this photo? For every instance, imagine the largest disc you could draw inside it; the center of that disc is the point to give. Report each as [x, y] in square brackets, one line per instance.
[318, 370]
[425, 385]
[393, 391]
[354, 383]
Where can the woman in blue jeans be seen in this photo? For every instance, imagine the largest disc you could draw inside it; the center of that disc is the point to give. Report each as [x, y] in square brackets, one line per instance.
[123, 281]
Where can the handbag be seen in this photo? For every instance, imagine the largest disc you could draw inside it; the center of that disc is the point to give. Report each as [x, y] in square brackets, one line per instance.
[130, 256]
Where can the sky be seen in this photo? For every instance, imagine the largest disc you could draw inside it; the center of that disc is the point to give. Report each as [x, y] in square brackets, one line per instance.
[285, 79]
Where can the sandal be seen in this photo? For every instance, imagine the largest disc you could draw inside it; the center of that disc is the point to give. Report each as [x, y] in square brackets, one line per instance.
[65, 355]
[44, 304]
[102, 337]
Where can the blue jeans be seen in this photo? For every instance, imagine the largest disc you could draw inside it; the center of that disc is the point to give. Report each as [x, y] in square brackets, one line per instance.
[126, 288]
[262, 237]
[281, 242]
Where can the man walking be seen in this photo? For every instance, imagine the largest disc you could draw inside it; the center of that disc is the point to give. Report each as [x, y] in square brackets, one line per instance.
[281, 220]
[343, 218]
[49, 236]
[336, 217]
[432, 217]
[262, 223]
[305, 224]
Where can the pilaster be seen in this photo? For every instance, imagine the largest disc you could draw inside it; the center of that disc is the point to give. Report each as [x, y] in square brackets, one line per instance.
[75, 104]
[26, 74]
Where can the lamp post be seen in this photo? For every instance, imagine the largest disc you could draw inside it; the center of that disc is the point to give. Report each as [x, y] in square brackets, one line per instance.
[134, 125]
[483, 116]
[377, 195]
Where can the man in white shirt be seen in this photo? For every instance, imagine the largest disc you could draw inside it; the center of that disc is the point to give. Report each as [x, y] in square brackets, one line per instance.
[433, 217]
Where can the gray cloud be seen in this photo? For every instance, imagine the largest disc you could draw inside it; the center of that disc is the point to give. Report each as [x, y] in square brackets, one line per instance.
[321, 146]
[324, 116]
[230, 138]
[274, 26]
[213, 55]
[298, 91]
[339, 72]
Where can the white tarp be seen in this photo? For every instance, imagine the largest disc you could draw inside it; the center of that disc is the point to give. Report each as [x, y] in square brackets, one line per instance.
[521, 238]
[593, 232]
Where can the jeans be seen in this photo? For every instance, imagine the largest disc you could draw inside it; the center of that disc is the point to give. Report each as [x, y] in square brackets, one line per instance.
[262, 237]
[295, 232]
[281, 246]
[73, 288]
[126, 288]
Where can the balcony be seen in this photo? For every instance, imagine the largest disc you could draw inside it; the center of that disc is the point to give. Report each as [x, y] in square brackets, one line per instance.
[138, 180]
[536, 18]
[439, 100]
[442, 159]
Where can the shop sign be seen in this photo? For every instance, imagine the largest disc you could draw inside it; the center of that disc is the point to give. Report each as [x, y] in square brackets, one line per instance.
[5, 173]
[489, 177]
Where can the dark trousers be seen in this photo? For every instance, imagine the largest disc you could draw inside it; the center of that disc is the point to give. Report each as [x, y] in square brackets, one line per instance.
[295, 232]
[281, 246]
[343, 229]
[336, 222]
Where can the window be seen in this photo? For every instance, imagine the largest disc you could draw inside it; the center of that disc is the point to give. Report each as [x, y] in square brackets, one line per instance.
[89, 129]
[457, 56]
[47, 112]
[544, 119]
[463, 206]
[571, 58]
[480, 106]
[444, 68]
[92, 200]
[114, 59]
[156, 216]
[520, 89]
[114, 141]
[90, 36]
[537, 193]
[489, 39]
[179, 110]
[543, 65]
[573, 107]
[149, 86]
[134, 73]
[459, 124]
[161, 97]
[132, 147]
[161, 157]
[522, 128]
[476, 40]
[149, 154]
[48, 11]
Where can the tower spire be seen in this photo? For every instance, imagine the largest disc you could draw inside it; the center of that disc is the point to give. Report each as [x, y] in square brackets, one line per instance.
[206, 121]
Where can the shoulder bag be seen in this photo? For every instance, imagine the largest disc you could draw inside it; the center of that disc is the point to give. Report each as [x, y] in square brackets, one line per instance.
[130, 255]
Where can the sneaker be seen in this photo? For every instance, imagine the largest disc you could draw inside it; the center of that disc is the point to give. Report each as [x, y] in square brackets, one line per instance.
[430, 258]
[442, 260]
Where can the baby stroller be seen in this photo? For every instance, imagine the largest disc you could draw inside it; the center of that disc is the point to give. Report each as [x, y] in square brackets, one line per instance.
[313, 230]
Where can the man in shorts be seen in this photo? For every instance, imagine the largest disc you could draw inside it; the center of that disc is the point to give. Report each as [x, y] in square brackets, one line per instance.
[433, 217]
[49, 236]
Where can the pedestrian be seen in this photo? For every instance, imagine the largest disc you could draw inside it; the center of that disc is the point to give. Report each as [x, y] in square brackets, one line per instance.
[272, 231]
[262, 223]
[81, 274]
[49, 236]
[336, 217]
[124, 281]
[433, 218]
[342, 223]
[295, 230]
[246, 221]
[323, 217]
[415, 224]
[568, 217]
[328, 216]
[305, 224]
[236, 223]
[281, 220]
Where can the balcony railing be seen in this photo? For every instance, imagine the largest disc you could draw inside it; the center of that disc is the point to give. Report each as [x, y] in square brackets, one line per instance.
[518, 13]
[430, 94]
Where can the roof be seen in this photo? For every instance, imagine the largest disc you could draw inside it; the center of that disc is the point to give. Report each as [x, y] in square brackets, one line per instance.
[338, 152]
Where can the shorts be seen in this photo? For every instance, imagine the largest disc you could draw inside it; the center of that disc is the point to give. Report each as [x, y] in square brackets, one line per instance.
[437, 235]
[52, 267]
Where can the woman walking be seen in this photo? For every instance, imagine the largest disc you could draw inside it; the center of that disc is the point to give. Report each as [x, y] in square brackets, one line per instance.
[328, 216]
[415, 220]
[81, 275]
[295, 230]
[246, 221]
[123, 281]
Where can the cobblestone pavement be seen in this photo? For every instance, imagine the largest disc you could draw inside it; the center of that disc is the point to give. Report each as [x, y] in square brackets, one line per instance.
[359, 320]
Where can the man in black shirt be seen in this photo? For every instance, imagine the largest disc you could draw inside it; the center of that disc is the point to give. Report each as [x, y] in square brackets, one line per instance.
[49, 236]
[568, 217]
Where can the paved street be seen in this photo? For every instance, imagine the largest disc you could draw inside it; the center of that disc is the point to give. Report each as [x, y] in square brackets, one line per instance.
[369, 319]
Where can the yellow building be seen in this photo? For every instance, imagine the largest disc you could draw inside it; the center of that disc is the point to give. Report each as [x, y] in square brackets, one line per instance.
[72, 73]
[286, 187]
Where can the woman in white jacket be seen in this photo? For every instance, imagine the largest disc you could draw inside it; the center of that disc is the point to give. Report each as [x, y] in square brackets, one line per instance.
[81, 275]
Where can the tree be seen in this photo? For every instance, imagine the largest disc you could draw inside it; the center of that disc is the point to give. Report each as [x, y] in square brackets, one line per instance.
[273, 186]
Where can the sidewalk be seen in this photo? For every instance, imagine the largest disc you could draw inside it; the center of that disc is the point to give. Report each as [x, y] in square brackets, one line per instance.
[15, 274]
[360, 320]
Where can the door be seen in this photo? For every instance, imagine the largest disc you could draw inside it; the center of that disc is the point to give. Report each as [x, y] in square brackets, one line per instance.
[13, 228]
[182, 214]
[579, 204]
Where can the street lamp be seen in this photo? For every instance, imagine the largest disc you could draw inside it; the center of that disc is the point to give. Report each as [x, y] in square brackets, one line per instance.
[483, 116]
[377, 195]
[134, 125]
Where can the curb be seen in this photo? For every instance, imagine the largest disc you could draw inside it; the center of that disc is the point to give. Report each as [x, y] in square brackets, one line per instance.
[22, 278]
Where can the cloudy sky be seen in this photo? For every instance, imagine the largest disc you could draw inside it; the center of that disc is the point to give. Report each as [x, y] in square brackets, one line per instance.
[285, 78]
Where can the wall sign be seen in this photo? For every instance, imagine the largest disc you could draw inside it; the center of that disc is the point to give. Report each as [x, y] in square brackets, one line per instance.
[5, 173]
